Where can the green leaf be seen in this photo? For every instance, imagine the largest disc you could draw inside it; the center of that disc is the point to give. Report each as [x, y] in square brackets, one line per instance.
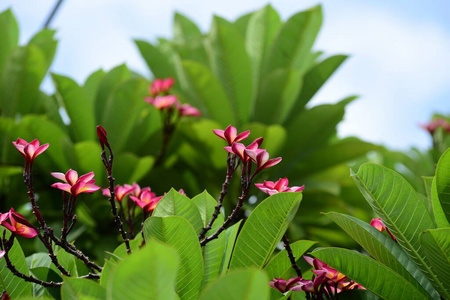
[44, 39]
[241, 23]
[22, 75]
[92, 84]
[230, 241]
[443, 182]
[291, 47]
[78, 106]
[263, 230]
[314, 79]
[184, 30]
[205, 92]
[437, 212]
[78, 288]
[366, 271]
[213, 252]
[156, 60]
[107, 89]
[122, 110]
[8, 171]
[230, 63]
[277, 95]
[130, 168]
[88, 157]
[178, 233]
[400, 208]
[239, 285]
[436, 244]
[176, 204]
[261, 30]
[147, 274]
[15, 286]
[385, 250]
[9, 35]
[279, 264]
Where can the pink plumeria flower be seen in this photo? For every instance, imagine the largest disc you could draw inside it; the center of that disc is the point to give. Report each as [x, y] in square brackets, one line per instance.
[187, 110]
[379, 225]
[18, 224]
[270, 187]
[75, 185]
[323, 268]
[2, 253]
[261, 158]
[147, 200]
[162, 102]
[230, 134]
[239, 149]
[282, 285]
[312, 286]
[101, 133]
[161, 86]
[29, 150]
[435, 124]
[120, 191]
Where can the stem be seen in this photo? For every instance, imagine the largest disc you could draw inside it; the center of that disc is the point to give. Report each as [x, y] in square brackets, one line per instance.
[231, 168]
[215, 235]
[52, 14]
[168, 129]
[117, 220]
[291, 256]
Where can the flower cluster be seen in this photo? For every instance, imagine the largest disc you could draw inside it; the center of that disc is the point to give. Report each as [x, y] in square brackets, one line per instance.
[326, 281]
[378, 224]
[162, 100]
[17, 224]
[435, 124]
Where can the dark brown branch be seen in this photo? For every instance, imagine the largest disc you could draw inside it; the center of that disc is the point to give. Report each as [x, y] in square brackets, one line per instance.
[291, 256]
[52, 14]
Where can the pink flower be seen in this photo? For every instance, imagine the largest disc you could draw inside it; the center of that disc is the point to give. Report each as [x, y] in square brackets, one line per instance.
[19, 225]
[261, 158]
[2, 253]
[230, 134]
[147, 200]
[239, 149]
[435, 124]
[161, 86]
[312, 286]
[120, 191]
[29, 150]
[75, 185]
[188, 110]
[162, 102]
[101, 133]
[379, 225]
[270, 187]
[282, 285]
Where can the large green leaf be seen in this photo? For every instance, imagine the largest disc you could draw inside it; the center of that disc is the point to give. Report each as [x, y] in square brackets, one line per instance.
[214, 251]
[78, 106]
[147, 274]
[369, 273]
[437, 212]
[276, 97]
[44, 39]
[107, 89]
[443, 182]
[291, 47]
[122, 110]
[92, 84]
[230, 63]
[178, 233]
[9, 35]
[385, 250]
[239, 285]
[130, 168]
[22, 75]
[400, 208]
[88, 157]
[176, 204]
[280, 263]
[15, 286]
[78, 288]
[184, 30]
[436, 244]
[205, 92]
[261, 30]
[263, 230]
[230, 240]
[156, 60]
[314, 79]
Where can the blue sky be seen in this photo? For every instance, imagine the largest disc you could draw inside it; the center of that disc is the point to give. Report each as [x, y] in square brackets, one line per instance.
[399, 64]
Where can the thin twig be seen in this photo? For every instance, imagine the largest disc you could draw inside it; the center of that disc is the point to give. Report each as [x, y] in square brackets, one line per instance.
[291, 256]
[52, 14]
